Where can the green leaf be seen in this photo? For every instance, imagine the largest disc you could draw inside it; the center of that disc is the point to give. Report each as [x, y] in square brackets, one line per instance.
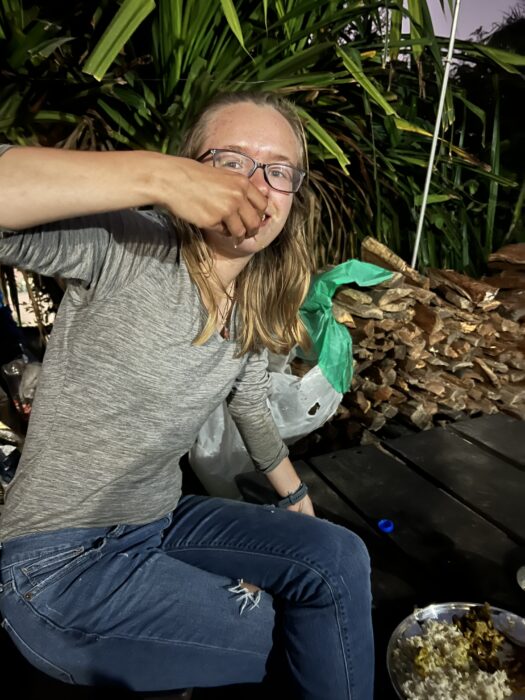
[394, 38]
[434, 198]
[130, 15]
[233, 20]
[46, 48]
[118, 118]
[324, 138]
[495, 163]
[47, 115]
[505, 59]
[352, 63]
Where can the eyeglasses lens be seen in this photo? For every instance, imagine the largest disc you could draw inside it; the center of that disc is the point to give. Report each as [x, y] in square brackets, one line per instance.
[284, 178]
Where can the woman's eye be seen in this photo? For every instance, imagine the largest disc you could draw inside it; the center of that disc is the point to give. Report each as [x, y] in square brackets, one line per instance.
[232, 161]
[281, 173]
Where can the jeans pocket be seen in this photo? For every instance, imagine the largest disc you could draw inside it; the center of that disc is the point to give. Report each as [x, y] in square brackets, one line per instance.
[41, 569]
[34, 658]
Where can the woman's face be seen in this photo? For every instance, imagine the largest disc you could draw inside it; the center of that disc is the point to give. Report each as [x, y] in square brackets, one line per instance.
[264, 134]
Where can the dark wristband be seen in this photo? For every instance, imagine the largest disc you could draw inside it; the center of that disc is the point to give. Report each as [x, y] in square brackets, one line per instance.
[294, 497]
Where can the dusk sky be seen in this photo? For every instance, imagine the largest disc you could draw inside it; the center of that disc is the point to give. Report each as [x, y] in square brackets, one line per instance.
[472, 14]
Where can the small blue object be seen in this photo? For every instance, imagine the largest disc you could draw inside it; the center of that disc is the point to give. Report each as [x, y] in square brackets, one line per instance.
[385, 525]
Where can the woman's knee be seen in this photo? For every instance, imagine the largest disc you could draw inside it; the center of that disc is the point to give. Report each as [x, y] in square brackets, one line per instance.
[340, 548]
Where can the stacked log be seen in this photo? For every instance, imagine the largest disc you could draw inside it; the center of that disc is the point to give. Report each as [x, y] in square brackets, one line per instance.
[507, 274]
[431, 348]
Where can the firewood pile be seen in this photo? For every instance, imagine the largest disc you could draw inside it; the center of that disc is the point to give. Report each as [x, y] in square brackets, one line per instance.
[434, 347]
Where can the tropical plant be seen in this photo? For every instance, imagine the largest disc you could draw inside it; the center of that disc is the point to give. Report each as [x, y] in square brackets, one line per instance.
[131, 74]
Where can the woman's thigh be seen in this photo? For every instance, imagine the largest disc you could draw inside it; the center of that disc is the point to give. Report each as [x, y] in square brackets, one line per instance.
[136, 617]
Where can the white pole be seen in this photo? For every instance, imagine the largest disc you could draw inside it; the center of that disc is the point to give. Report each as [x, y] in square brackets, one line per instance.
[437, 128]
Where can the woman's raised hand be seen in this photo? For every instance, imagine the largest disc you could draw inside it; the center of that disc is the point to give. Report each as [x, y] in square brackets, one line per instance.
[212, 198]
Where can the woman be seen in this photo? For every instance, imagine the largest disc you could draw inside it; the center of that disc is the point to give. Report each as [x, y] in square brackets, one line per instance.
[108, 576]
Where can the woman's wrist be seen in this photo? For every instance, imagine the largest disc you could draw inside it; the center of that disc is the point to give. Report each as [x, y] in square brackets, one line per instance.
[294, 497]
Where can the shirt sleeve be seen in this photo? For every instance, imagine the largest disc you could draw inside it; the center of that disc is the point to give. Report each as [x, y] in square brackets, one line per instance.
[249, 409]
[101, 252]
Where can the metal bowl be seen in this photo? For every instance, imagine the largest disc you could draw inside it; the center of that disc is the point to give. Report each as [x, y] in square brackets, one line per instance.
[513, 626]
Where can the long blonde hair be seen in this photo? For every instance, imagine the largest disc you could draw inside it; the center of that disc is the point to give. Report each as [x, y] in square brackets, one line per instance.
[274, 284]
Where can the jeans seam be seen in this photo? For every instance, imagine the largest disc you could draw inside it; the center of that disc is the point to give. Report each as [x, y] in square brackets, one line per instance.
[137, 638]
[10, 629]
[41, 564]
[36, 589]
[36, 555]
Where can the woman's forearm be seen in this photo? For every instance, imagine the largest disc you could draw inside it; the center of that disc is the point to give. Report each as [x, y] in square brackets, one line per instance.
[284, 478]
[40, 185]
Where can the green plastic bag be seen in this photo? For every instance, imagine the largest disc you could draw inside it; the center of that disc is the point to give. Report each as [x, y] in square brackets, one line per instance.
[332, 343]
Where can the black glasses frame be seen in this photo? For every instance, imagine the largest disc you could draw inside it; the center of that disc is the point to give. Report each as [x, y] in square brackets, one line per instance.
[256, 165]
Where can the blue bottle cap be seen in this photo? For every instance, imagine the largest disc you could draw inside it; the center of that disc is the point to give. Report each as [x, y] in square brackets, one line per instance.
[385, 525]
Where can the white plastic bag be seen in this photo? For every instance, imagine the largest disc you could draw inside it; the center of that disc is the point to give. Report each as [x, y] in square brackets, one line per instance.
[299, 406]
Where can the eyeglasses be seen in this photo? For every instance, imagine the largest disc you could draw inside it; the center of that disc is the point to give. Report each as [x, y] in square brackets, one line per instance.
[280, 176]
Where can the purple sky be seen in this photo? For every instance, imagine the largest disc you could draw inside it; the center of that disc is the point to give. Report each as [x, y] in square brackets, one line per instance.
[472, 14]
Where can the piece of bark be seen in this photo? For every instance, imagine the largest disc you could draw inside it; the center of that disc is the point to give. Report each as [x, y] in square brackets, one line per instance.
[427, 319]
[462, 346]
[514, 359]
[512, 304]
[364, 404]
[474, 291]
[389, 296]
[513, 254]
[500, 367]
[350, 295]
[396, 308]
[407, 334]
[364, 328]
[425, 296]
[504, 325]
[457, 299]
[397, 279]
[506, 279]
[358, 309]
[459, 365]
[435, 361]
[472, 374]
[403, 316]
[486, 369]
[375, 252]
[342, 315]
[420, 414]
[389, 411]
[512, 394]
[387, 324]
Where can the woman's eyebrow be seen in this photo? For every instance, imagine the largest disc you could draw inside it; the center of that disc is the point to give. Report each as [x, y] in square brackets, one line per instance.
[276, 157]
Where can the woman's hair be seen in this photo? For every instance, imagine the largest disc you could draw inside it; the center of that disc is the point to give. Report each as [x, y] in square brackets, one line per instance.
[274, 284]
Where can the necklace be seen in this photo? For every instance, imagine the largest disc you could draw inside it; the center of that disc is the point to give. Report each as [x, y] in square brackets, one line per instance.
[225, 317]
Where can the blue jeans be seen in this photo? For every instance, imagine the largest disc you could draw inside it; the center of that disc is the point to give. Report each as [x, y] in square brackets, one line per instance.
[157, 606]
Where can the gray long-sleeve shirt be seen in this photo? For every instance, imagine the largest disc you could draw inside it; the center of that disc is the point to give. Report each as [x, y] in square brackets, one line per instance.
[123, 392]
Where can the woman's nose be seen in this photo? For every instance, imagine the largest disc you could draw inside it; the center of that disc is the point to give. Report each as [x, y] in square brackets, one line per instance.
[259, 180]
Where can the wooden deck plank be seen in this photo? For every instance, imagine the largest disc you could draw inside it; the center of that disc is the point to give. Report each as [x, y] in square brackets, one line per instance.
[499, 434]
[468, 557]
[488, 484]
